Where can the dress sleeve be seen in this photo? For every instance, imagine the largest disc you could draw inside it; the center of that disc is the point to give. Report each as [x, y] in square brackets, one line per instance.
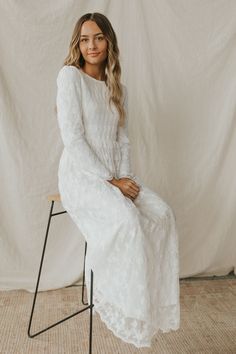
[70, 120]
[125, 169]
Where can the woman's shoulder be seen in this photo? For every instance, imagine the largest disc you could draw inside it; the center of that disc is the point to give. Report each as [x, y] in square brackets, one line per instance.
[68, 72]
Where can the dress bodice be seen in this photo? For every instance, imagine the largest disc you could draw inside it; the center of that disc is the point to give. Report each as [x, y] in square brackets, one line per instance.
[89, 125]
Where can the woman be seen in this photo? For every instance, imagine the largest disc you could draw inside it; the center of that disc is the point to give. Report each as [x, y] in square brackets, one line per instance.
[131, 232]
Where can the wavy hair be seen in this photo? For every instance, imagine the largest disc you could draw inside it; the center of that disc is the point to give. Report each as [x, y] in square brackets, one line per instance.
[112, 63]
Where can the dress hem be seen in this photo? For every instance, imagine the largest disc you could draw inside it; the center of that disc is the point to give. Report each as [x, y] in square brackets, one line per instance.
[145, 344]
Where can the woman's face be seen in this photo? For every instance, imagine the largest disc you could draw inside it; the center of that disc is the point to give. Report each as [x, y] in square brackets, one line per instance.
[92, 43]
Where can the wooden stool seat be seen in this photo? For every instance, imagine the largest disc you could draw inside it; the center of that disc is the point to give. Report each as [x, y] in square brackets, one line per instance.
[54, 197]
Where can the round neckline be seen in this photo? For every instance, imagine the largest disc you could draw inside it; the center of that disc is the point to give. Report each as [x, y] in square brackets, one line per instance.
[100, 81]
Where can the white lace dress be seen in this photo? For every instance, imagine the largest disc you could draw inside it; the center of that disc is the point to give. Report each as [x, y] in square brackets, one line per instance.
[132, 246]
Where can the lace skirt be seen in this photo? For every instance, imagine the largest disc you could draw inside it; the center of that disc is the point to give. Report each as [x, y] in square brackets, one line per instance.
[133, 252]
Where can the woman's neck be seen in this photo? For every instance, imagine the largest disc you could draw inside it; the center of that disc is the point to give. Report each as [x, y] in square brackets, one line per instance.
[96, 71]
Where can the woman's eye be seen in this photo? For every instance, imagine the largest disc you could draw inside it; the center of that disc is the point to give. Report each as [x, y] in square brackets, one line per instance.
[86, 39]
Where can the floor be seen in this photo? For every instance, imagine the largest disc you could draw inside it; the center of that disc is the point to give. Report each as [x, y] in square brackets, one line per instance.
[208, 322]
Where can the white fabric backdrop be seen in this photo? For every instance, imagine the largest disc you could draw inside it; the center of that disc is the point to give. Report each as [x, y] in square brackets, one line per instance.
[178, 60]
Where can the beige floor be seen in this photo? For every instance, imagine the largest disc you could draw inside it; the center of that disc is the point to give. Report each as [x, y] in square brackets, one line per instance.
[208, 323]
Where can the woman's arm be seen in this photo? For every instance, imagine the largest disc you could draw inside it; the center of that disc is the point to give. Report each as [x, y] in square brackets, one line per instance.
[125, 169]
[69, 115]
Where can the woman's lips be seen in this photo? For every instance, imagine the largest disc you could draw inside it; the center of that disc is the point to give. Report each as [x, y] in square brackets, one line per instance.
[93, 54]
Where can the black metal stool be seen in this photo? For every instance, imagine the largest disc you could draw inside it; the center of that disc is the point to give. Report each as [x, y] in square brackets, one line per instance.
[53, 198]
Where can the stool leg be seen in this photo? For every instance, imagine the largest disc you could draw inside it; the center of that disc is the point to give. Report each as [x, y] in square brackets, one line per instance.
[90, 307]
[83, 284]
[40, 269]
[91, 313]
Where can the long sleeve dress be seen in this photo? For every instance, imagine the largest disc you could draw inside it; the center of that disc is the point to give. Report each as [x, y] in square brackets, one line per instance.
[132, 245]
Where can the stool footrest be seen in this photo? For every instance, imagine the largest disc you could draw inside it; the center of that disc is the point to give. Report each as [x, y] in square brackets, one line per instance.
[57, 323]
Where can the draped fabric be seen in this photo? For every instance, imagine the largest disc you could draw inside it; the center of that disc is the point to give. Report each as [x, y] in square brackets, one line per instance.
[178, 64]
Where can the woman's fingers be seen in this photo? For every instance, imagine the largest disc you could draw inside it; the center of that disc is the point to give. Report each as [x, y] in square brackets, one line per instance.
[134, 186]
[132, 192]
[129, 188]
[131, 198]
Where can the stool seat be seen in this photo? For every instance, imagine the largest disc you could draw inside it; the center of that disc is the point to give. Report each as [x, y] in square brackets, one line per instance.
[54, 197]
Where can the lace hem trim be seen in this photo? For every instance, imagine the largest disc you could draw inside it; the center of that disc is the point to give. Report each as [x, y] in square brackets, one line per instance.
[130, 330]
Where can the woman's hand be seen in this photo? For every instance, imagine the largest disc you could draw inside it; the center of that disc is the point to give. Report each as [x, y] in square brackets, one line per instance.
[127, 186]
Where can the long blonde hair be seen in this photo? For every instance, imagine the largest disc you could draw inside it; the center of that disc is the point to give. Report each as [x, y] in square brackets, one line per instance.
[112, 63]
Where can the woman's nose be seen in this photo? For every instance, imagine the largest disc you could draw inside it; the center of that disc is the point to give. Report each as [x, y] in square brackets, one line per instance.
[91, 45]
